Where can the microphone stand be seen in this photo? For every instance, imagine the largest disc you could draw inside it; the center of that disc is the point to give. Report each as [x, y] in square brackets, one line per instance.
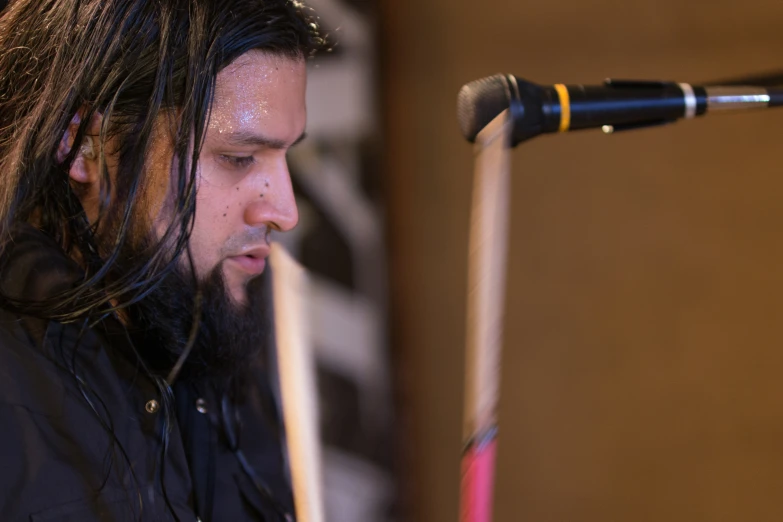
[488, 245]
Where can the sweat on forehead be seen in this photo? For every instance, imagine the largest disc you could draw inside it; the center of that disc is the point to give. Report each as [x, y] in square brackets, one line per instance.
[244, 90]
[249, 70]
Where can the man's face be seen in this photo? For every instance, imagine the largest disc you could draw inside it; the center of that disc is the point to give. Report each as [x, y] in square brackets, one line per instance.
[243, 192]
[244, 187]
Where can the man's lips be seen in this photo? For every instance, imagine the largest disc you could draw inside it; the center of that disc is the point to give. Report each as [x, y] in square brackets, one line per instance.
[252, 261]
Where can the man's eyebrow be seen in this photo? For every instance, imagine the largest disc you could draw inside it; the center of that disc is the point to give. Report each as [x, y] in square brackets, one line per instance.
[242, 138]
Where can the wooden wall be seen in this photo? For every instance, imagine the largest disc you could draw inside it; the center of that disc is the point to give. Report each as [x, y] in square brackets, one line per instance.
[644, 346]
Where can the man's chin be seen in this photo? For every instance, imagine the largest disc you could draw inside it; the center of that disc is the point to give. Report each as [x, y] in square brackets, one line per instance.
[239, 285]
[238, 293]
[231, 330]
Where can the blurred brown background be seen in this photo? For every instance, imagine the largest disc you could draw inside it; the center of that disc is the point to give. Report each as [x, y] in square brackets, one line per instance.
[642, 362]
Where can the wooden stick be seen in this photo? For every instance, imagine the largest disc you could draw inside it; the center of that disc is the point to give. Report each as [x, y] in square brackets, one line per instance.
[296, 367]
[486, 293]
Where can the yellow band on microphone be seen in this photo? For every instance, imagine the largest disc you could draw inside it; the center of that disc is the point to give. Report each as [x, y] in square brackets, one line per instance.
[565, 107]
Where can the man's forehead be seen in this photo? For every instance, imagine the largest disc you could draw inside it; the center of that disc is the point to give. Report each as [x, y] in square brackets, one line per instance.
[260, 91]
[254, 72]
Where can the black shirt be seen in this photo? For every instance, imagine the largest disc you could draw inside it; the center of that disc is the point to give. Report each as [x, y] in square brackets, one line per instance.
[86, 436]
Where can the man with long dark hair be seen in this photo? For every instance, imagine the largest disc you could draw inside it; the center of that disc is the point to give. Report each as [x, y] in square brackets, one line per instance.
[142, 166]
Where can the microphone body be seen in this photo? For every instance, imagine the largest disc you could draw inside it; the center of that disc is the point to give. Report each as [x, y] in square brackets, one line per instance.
[614, 106]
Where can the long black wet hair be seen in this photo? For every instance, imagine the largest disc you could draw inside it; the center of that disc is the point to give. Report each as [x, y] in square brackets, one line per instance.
[133, 61]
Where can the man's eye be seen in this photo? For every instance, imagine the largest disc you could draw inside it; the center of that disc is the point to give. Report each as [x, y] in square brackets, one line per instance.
[237, 162]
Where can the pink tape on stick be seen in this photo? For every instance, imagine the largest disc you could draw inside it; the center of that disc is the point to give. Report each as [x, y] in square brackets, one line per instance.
[478, 472]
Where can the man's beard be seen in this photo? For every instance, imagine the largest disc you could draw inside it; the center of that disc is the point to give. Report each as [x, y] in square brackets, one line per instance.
[230, 337]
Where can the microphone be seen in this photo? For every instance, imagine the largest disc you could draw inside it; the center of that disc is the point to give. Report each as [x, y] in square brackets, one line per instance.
[616, 105]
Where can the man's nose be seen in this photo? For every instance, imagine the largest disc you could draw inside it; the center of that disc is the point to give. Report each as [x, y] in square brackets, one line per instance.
[272, 202]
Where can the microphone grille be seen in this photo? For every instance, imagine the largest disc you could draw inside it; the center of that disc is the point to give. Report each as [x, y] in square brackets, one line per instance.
[479, 102]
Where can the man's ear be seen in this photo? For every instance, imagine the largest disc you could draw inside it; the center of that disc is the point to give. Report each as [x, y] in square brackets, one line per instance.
[84, 169]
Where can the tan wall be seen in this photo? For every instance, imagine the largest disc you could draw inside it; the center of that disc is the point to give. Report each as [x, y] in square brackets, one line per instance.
[644, 349]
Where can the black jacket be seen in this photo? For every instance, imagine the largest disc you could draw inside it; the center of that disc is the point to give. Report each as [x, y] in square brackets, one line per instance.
[81, 434]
